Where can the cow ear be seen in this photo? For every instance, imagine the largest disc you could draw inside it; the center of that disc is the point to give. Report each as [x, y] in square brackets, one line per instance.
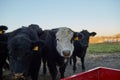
[1, 31]
[93, 33]
[2, 27]
[35, 48]
[38, 45]
[77, 36]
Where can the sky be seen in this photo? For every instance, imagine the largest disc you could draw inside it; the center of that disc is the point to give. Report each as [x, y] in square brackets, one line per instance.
[101, 16]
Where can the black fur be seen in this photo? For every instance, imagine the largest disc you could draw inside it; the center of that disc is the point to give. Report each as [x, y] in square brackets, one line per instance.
[3, 48]
[23, 59]
[51, 55]
[3, 52]
[80, 47]
[2, 27]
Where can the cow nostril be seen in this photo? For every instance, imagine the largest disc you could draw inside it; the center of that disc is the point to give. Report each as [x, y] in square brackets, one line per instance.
[66, 53]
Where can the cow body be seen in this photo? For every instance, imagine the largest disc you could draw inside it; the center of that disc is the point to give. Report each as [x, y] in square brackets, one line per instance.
[24, 60]
[3, 52]
[59, 47]
[80, 48]
[3, 48]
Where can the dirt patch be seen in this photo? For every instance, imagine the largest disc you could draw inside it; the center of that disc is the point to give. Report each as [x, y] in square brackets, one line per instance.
[110, 60]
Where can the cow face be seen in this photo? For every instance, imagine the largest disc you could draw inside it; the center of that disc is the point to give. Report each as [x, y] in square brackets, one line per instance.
[85, 39]
[64, 43]
[21, 52]
[20, 61]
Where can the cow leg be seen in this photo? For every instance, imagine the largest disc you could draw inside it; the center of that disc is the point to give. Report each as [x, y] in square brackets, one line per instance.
[0, 72]
[35, 74]
[82, 61]
[2, 62]
[1, 67]
[74, 63]
[44, 66]
[53, 70]
[70, 60]
[6, 66]
[35, 66]
[62, 69]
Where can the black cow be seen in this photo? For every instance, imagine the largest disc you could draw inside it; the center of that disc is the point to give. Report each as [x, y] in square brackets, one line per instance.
[3, 48]
[80, 47]
[25, 45]
[59, 47]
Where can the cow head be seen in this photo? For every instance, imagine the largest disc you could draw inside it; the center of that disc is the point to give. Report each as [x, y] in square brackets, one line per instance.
[36, 28]
[64, 42]
[85, 39]
[2, 29]
[22, 51]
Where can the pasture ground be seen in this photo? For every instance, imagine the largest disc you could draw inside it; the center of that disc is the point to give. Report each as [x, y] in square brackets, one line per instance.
[105, 55]
[91, 61]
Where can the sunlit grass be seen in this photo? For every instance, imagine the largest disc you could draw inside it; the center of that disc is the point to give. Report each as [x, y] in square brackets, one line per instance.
[104, 48]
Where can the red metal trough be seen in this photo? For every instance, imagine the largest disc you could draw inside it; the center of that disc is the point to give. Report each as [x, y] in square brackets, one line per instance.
[100, 73]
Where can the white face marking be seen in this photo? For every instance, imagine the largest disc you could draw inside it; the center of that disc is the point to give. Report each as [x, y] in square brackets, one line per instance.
[63, 37]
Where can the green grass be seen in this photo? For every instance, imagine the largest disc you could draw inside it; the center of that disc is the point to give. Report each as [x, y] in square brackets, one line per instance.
[104, 48]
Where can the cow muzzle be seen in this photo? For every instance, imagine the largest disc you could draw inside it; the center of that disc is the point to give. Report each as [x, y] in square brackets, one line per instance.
[18, 76]
[66, 53]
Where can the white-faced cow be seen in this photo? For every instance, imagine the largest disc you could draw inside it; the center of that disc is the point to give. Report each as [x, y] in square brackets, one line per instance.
[25, 45]
[80, 47]
[59, 48]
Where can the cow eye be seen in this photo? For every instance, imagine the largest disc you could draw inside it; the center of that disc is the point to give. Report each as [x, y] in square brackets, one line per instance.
[58, 39]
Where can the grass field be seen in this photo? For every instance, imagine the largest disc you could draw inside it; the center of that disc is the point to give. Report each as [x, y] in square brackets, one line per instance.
[104, 48]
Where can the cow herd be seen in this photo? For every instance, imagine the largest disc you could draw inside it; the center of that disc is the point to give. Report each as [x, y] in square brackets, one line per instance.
[27, 47]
